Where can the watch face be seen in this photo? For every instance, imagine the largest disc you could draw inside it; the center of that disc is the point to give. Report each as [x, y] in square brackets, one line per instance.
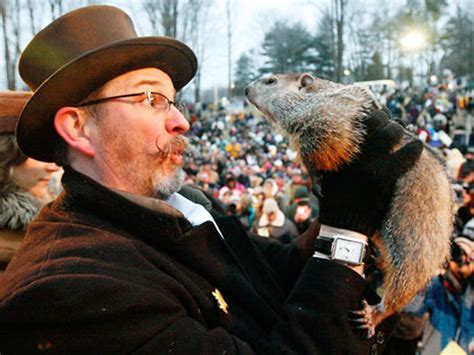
[348, 250]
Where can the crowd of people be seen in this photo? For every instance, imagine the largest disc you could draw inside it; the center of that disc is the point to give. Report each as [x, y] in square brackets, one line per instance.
[238, 159]
[242, 161]
[142, 253]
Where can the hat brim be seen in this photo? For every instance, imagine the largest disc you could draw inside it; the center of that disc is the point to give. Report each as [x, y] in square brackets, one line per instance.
[71, 83]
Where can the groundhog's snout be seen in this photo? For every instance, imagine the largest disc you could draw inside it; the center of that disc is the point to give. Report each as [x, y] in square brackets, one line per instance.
[250, 92]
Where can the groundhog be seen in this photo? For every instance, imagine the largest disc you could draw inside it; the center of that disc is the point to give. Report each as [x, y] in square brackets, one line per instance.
[326, 124]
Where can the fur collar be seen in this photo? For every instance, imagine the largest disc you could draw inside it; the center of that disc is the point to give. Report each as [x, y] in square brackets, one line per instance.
[17, 207]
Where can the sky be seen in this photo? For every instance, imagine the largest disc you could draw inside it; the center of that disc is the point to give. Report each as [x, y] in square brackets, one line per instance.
[251, 19]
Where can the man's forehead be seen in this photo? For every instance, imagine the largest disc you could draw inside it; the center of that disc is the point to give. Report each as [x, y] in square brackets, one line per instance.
[147, 78]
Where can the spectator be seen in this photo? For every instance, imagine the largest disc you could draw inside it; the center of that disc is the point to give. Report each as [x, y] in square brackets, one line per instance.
[465, 213]
[449, 300]
[301, 212]
[274, 224]
[454, 161]
[230, 189]
[24, 182]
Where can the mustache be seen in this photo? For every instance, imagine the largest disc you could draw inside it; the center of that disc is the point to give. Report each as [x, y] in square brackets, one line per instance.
[178, 144]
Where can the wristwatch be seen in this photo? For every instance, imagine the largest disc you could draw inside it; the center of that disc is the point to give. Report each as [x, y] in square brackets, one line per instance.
[342, 248]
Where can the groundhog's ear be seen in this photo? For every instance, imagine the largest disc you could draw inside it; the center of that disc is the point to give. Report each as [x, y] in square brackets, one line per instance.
[305, 80]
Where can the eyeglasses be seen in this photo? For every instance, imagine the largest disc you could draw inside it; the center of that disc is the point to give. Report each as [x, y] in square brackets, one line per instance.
[155, 100]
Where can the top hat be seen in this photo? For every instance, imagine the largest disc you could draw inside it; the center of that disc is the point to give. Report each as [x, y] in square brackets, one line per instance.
[11, 104]
[75, 55]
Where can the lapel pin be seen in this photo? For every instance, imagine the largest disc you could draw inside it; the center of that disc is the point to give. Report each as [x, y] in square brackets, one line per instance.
[220, 301]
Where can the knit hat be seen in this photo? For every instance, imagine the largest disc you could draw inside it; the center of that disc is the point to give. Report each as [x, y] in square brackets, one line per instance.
[466, 245]
[301, 194]
[468, 230]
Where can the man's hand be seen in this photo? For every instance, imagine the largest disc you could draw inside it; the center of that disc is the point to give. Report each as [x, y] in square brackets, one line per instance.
[357, 196]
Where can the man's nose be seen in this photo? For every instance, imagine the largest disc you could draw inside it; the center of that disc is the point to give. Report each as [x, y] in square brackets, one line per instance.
[52, 167]
[176, 123]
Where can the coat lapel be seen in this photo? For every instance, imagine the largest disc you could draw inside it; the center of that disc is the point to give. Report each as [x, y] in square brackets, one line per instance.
[205, 252]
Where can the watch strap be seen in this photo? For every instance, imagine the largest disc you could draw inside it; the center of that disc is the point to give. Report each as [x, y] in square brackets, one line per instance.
[323, 245]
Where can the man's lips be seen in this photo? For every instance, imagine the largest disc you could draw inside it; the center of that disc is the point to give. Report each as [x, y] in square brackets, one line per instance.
[176, 157]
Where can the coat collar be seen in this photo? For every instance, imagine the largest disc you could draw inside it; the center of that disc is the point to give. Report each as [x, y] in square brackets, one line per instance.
[141, 216]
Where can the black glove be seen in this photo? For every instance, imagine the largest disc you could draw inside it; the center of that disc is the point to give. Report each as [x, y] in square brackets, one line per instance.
[358, 195]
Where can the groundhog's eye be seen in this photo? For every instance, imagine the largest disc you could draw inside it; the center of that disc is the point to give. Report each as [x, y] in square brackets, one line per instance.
[271, 81]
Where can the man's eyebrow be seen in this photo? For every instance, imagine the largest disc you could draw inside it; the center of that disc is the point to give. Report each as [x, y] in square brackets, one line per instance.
[150, 82]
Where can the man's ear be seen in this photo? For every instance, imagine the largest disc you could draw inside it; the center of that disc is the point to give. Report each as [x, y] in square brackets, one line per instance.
[70, 123]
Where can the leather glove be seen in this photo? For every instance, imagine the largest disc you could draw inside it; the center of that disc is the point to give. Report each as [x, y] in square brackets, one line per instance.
[358, 195]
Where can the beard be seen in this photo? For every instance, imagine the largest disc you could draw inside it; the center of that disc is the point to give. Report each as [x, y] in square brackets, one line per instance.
[165, 183]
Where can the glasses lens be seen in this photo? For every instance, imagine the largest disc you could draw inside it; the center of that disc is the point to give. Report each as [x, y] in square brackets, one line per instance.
[184, 110]
[159, 102]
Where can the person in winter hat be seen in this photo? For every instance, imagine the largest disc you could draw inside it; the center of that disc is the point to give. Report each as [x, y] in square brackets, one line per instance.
[274, 224]
[23, 181]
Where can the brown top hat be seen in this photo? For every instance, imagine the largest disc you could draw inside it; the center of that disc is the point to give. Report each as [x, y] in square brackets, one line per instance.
[11, 104]
[75, 55]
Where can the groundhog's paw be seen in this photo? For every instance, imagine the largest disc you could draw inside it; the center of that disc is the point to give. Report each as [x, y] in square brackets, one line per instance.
[405, 158]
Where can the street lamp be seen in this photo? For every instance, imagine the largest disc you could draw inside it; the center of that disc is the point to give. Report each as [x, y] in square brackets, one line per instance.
[413, 41]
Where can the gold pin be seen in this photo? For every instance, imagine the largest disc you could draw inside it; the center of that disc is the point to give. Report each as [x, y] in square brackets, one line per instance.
[220, 301]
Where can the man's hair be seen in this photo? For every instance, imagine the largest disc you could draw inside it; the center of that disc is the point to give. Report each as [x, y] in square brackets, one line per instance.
[61, 151]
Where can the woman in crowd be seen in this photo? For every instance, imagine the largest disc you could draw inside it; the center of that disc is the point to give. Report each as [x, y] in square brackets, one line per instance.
[274, 224]
[24, 182]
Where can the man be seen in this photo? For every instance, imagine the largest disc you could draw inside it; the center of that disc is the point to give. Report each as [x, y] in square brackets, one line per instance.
[111, 266]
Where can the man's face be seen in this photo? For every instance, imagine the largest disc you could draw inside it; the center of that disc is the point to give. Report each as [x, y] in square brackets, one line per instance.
[139, 149]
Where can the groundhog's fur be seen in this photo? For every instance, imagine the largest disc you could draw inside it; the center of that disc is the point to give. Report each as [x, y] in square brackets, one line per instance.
[325, 124]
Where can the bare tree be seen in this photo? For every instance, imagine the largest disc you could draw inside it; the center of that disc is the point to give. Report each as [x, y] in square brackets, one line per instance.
[229, 7]
[339, 12]
[56, 8]
[194, 31]
[32, 8]
[10, 15]
[163, 16]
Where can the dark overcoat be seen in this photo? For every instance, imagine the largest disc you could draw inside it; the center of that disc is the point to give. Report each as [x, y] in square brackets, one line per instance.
[100, 272]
